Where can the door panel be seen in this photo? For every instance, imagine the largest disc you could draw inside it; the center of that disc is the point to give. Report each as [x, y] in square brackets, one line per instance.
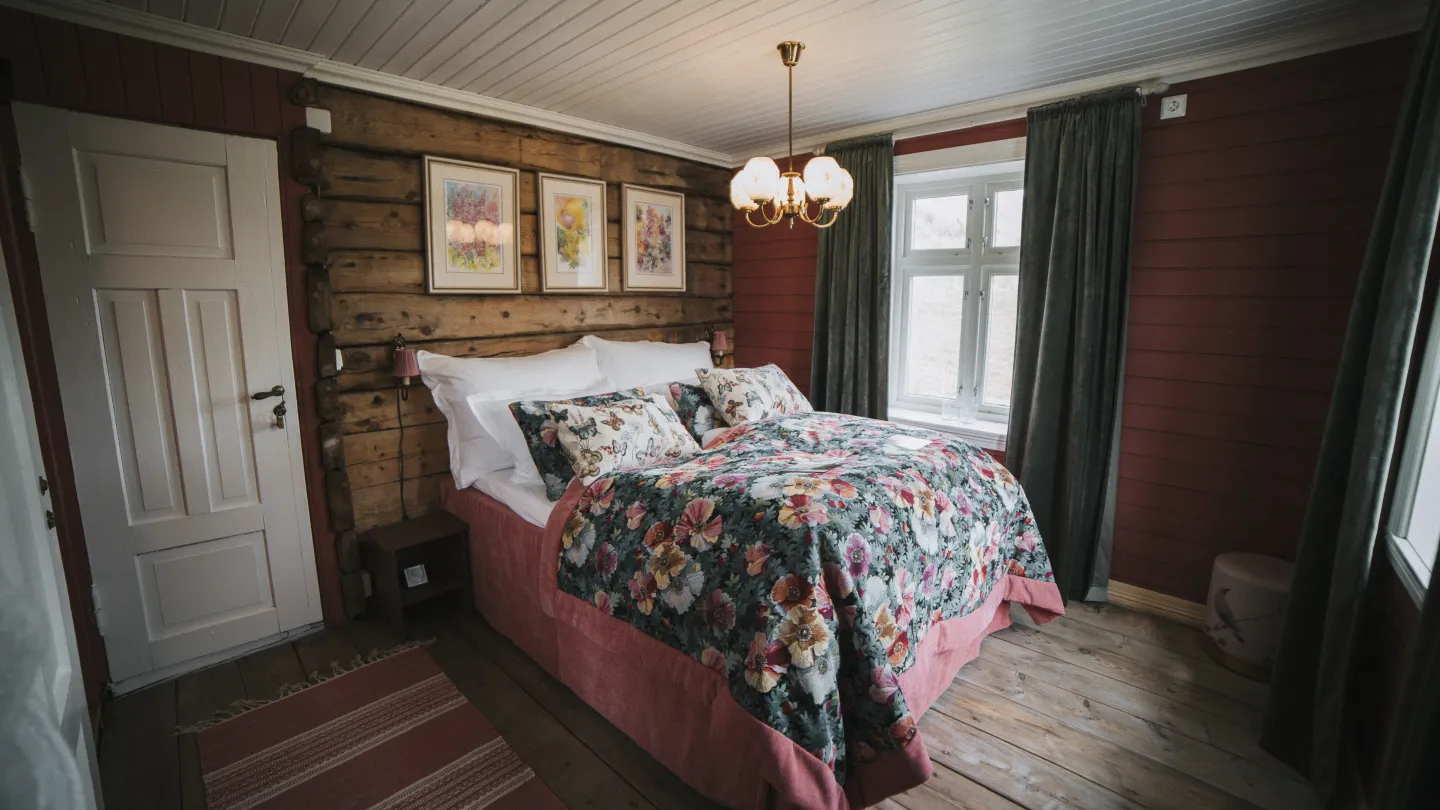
[163, 274]
[146, 207]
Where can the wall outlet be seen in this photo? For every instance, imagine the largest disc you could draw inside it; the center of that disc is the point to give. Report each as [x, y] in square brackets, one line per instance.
[1173, 106]
[339, 360]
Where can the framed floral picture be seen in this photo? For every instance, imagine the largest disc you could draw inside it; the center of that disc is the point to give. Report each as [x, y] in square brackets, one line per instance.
[470, 233]
[652, 235]
[572, 235]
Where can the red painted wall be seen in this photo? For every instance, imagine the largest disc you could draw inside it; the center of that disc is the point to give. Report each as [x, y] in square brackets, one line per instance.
[59, 64]
[774, 275]
[1252, 217]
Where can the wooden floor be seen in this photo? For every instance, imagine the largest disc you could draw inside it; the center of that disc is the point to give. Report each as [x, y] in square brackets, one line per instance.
[1105, 708]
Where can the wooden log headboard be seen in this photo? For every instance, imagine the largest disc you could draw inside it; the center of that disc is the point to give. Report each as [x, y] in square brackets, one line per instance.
[363, 236]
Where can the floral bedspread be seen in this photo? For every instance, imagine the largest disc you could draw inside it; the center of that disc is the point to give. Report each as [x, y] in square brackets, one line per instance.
[804, 558]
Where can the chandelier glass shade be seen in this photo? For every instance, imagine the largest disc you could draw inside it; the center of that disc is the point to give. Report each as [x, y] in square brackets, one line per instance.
[767, 195]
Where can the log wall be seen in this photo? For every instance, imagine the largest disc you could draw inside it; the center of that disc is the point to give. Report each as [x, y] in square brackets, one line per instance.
[364, 242]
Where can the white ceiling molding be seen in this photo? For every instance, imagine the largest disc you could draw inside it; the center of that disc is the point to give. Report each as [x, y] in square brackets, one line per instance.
[1015, 105]
[385, 84]
[138, 24]
[122, 20]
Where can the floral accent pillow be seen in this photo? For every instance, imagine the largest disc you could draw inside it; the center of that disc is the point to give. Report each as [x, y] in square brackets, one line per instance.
[744, 395]
[693, 407]
[622, 435]
[538, 428]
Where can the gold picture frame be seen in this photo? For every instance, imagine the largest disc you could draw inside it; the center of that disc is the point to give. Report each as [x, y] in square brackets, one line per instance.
[652, 239]
[471, 228]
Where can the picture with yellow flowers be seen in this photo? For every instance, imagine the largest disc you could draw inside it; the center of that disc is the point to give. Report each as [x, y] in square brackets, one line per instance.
[572, 234]
[470, 212]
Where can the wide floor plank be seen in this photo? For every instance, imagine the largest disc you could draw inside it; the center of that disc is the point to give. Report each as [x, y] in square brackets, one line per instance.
[1030, 781]
[621, 753]
[1170, 635]
[1221, 769]
[198, 696]
[321, 653]
[138, 752]
[1104, 662]
[267, 671]
[1146, 705]
[1138, 778]
[948, 789]
[566, 766]
[1160, 661]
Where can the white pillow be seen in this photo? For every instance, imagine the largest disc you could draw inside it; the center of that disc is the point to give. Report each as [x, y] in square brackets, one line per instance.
[647, 364]
[453, 380]
[499, 422]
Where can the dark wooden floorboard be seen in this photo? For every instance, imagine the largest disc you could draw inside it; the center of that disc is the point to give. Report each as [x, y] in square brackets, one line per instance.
[267, 671]
[139, 755]
[566, 766]
[320, 653]
[1105, 708]
[621, 753]
[199, 695]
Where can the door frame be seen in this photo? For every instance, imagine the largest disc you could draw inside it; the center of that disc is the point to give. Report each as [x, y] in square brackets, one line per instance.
[275, 116]
[298, 608]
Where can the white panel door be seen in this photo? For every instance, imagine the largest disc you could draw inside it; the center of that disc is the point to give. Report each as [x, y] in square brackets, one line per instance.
[164, 279]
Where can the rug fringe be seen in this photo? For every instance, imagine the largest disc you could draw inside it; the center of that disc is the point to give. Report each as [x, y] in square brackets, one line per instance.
[239, 707]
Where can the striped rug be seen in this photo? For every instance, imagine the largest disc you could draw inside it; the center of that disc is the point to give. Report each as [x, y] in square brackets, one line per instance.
[392, 735]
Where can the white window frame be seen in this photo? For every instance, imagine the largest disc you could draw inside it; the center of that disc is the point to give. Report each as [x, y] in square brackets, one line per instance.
[978, 263]
[1414, 528]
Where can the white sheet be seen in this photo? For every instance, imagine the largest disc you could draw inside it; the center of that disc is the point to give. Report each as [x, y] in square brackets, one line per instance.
[526, 500]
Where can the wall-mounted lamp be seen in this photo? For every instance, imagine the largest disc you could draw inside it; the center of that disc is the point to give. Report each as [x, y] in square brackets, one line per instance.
[719, 346]
[407, 367]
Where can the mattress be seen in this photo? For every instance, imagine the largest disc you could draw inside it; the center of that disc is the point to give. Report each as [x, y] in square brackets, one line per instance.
[529, 501]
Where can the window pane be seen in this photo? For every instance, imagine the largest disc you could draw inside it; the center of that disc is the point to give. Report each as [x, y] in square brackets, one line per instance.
[1000, 339]
[1008, 205]
[932, 336]
[939, 222]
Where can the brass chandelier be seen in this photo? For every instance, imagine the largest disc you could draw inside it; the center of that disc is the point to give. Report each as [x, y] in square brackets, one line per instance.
[817, 197]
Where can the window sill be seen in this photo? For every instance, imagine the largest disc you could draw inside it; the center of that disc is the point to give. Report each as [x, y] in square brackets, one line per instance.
[1408, 567]
[988, 434]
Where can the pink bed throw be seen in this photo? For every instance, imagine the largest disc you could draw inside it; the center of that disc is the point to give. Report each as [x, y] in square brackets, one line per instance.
[679, 709]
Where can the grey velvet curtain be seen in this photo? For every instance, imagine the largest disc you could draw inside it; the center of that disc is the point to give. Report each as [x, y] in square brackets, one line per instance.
[1080, 165]
[850, 369]
[1303, 722]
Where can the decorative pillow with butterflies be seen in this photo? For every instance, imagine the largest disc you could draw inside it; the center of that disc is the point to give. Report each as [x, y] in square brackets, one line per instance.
[539, 430]
[693, 407]
[621, 435]
[745, 395]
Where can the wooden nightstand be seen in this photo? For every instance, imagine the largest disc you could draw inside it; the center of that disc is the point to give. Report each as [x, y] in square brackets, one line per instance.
[439, 541]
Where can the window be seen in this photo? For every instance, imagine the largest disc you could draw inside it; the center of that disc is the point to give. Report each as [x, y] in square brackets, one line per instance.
[956, 290]
[1414, 532]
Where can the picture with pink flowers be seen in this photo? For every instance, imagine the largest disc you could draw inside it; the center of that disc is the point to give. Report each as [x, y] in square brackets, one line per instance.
[470, 227]
[654, 239]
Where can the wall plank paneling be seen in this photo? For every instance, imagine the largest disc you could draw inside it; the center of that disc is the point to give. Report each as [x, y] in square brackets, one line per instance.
[775, 295]
[1253, 213]
[366, 212]
[63, 65]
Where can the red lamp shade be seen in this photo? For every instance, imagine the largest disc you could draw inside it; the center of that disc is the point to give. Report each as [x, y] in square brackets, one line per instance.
[720, 343]
[406, 364]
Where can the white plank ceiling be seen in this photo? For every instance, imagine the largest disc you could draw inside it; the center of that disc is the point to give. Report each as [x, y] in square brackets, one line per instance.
[707, 74]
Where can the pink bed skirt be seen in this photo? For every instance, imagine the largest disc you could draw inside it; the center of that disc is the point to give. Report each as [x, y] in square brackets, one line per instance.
[677, 709]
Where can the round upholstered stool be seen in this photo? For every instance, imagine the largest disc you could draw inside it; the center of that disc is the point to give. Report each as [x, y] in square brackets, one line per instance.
[1245, 613]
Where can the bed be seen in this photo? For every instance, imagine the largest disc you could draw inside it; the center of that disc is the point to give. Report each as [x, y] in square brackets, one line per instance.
[765, 520]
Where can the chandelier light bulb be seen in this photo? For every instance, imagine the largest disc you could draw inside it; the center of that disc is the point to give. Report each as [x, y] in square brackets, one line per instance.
[739, 196]
[842, 189]
[820, 176]
[762, 177]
